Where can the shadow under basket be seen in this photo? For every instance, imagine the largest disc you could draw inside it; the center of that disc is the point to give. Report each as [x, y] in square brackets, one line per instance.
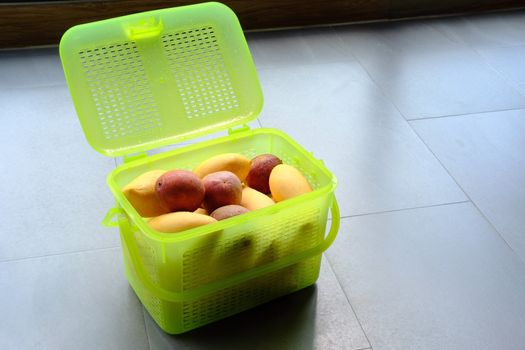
[204, 274]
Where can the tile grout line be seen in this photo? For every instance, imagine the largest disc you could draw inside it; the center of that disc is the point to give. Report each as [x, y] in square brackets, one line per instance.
[476, 50]
[342, 217]
[460, 42]
[403, 209]
[261, 68]
[509, 82]
[465, 114]
[335, 32]
[145, 325]
[331, 31]
[41, 86]
[448, 35]
[348, 301]
[470, 199]
[376, 84]
[430, 150]
[437, 159]
[58, 254]
[467, 17]
[358, 60]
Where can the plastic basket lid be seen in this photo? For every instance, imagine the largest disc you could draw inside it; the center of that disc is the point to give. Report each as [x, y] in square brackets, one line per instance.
[155, 78]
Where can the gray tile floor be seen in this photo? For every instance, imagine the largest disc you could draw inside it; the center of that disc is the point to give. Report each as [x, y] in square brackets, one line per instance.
[422, 121]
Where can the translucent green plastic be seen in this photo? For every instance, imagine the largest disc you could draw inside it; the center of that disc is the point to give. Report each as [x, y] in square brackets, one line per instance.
[192, 278]
[156, 78]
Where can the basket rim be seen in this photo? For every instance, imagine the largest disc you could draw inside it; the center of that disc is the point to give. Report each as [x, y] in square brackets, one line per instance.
[223, 224]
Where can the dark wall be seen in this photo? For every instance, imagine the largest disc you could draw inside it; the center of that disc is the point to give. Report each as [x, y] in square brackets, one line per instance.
[43, 23]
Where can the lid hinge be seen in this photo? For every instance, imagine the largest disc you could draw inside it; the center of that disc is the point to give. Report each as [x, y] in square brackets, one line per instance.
[134, 156]
[238, 129]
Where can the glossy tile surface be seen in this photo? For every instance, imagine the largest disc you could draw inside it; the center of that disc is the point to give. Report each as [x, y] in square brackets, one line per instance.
[485, 155]
[508, 61]
[54, 194]
[339, 114]
[432, 278]
[290, 48]
[427, 74]
[26, 68]
[71, 301]
[485, 30]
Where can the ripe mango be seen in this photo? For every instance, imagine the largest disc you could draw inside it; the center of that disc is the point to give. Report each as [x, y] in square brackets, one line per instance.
[228, 211]
[260, 170]
[180, 190]
[201, 211]
[269, 254]
[253, 199]
[221, 188]
[287, 182]
[235, 255]
[234, 162]
[179, 221]
[141, 194]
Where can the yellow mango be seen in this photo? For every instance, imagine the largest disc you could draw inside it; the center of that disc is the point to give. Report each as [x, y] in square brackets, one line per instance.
[201, 211]
[269, 254]
[253, 199]
[179, 221]
[234, 162]
[234, 255]
[141, 194]
[287, 182]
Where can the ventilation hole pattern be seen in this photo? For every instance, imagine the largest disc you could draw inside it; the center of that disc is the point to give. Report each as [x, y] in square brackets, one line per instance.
[149, 258]
[249, 294]
[119, 88]
[312, 179]
[199, 69]
[219, 254]
[154, 305]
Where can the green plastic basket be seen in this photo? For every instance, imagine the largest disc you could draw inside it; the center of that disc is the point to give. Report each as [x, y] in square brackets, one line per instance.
[156, 78]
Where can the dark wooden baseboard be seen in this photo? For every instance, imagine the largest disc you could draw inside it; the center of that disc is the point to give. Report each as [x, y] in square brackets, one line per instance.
[43, 23]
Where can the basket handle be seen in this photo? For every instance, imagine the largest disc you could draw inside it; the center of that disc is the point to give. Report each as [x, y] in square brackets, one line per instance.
[232, 280]
[110, 215]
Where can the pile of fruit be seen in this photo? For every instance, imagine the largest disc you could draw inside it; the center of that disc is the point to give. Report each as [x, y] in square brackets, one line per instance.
[222, 186]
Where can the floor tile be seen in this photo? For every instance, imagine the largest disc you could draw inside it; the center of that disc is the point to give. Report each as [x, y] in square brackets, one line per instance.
[482, 30]
[337, 112]
[431, 278]
[72, 301]
[521, 87]
[295, 47]
[318, 317]
[484, 153]
[54, 194]
[414, 37]
[508, 61]
[426, 74]
[30, 67]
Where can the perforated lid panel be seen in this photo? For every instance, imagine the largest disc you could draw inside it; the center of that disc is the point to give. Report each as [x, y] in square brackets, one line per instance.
[151, 79]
